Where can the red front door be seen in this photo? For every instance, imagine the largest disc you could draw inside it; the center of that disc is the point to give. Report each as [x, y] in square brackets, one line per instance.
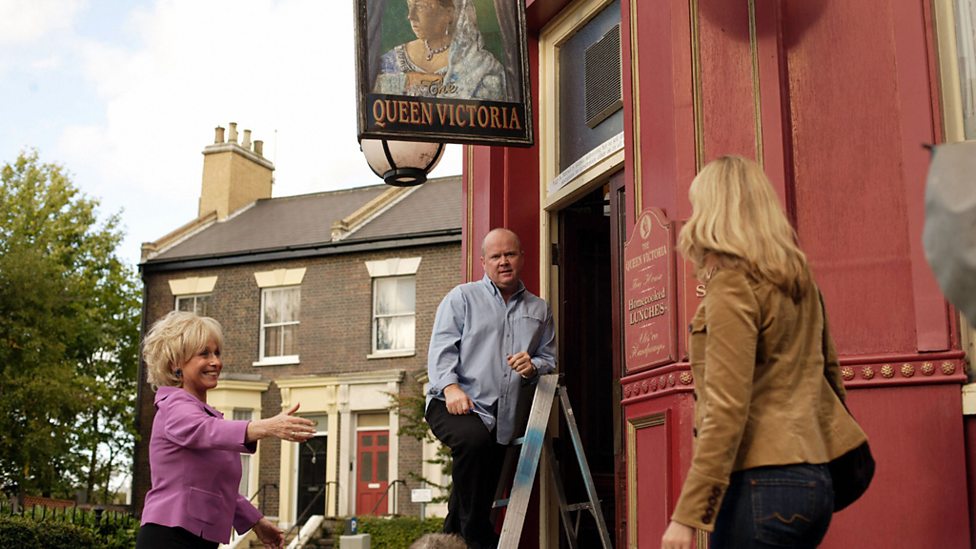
[373, 472]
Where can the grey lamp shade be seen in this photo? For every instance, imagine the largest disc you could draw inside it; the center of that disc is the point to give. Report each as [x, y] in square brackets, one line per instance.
[401, 163]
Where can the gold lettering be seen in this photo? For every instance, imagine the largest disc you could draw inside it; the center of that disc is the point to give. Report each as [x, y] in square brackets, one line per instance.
[483, 116]
[414, 112]
[402, 107]
[515, 122]
[428, 113]
[378, 113]
[442, 113]
[495, 123]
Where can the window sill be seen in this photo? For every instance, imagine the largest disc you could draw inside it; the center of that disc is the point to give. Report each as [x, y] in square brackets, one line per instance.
[391, 354]
[277, 361]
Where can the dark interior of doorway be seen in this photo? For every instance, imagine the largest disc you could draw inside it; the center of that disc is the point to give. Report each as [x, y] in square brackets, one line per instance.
[311, 478]
[585, 353]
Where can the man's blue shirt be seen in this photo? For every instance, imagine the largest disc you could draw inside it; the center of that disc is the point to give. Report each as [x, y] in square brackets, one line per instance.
[475, 332]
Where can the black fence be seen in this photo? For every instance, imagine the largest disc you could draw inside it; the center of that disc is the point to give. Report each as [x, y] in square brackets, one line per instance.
[74, 515]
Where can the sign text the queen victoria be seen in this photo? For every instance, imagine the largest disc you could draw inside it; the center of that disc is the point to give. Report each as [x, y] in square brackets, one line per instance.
[649, 331]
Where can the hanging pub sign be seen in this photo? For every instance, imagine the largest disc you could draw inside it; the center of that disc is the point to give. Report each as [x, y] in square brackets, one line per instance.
[452, 71]
[649, 293]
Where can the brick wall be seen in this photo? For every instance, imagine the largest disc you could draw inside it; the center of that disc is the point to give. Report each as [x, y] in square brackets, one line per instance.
[334, 336]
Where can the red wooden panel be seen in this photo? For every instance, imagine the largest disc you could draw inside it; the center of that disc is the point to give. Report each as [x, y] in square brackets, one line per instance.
[502, 190]
[728, 95]
[918, 497]
[970, 425]
[913, 42]
[663, 114]
[847, 136]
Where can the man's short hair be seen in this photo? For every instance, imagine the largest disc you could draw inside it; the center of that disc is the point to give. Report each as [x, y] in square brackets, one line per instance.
[439, 541]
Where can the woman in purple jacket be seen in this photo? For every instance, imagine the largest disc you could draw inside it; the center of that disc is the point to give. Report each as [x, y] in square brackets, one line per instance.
[194, 454]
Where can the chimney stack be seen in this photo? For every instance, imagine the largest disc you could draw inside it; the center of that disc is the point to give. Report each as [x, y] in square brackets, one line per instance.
[234, 176]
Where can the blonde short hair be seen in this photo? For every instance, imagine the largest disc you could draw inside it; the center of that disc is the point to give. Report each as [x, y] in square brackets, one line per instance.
[737, 219]
[173, 340]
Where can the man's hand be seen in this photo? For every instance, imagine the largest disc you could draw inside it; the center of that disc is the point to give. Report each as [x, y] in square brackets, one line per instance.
[457, 400]
[269, 534]
[522, 364]
[678, 536]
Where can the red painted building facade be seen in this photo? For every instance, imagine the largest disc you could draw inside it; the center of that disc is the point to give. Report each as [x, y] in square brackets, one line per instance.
[836, 99]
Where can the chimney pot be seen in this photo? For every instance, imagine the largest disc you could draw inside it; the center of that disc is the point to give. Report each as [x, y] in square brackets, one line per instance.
[218, 135]
[259, 147]
[247, 140]
[233, 133]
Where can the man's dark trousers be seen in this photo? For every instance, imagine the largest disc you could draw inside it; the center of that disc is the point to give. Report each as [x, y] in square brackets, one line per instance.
[476, 468]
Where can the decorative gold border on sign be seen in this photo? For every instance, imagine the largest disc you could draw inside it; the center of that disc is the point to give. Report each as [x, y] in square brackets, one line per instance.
[633, 425]
[696, 87]
[756, 96]
[635, 110]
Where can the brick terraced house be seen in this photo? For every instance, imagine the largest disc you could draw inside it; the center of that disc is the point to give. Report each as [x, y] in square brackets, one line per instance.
[326, 299]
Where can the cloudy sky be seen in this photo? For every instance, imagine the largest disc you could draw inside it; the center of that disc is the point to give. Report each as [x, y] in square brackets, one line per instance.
[126, 93]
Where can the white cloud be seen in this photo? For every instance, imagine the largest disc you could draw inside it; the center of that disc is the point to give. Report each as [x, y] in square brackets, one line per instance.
[282, 68]
[29, 20]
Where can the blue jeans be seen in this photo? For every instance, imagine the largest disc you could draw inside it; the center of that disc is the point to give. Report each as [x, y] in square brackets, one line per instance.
[781, 506]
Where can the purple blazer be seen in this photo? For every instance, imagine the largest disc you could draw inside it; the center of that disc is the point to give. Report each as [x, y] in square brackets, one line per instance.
[195, 466]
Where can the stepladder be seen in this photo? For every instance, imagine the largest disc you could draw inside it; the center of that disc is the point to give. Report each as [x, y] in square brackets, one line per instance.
[533, 445]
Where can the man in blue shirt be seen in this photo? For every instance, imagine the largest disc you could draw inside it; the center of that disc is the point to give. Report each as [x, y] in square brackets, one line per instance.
[490, 337]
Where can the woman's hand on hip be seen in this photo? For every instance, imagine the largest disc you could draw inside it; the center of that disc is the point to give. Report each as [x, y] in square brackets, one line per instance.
[678, 536]
[285, 426]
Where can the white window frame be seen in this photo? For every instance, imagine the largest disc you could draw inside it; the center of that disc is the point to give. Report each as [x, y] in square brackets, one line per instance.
[277, 359]
[390, 268]
[376, 318]
[244, 487]
[196, 299]
[276, 280]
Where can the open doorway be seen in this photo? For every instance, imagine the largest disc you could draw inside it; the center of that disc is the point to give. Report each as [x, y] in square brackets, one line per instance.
[311, 477]
[586, 352]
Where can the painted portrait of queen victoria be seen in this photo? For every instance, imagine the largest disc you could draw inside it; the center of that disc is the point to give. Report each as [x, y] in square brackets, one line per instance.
[447, 56]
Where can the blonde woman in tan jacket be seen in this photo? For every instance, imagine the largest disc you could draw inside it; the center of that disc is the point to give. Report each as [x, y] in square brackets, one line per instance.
[769, 413]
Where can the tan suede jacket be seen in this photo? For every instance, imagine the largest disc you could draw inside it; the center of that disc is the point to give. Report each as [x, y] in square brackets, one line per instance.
[761, 394]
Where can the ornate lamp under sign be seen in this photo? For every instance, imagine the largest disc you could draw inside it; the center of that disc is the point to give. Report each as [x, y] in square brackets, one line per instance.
[401, 163]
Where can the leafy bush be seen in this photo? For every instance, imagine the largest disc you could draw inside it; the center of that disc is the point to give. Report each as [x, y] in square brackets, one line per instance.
[23, 531]
[62, 535]
[393, 533]
[17, 532]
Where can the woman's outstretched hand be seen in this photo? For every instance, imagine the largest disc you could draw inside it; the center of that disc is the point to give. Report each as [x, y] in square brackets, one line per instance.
[285, 426]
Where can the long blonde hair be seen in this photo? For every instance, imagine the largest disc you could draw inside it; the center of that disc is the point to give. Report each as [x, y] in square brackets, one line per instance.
[737, 219]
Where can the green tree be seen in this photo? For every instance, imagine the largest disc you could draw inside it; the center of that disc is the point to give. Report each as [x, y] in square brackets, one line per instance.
[69, 329]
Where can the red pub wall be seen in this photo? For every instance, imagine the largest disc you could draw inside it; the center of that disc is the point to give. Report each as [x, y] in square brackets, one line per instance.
[835, 98]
